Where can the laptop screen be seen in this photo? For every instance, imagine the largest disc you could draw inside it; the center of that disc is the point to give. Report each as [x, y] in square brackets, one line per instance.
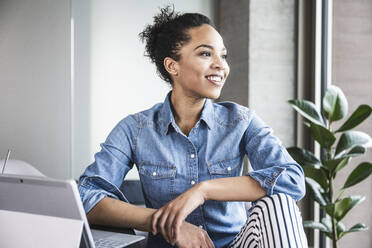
[38, 196]
[42, 197]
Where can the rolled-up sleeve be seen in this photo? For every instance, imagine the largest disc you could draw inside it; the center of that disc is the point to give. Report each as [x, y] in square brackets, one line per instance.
[273, 167]
[106, 174]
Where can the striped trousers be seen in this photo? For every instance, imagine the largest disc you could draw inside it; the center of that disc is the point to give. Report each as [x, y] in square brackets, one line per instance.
[273, 222]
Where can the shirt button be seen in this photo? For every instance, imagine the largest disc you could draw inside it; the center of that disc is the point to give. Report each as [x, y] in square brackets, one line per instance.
[229, 168]
[192, 155]
[192, 182]
[154, 173]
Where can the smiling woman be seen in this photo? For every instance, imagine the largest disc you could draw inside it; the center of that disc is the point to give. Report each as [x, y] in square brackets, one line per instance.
[189, 152]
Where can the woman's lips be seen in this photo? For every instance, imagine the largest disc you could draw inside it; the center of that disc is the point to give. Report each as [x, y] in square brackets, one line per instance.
[215, 79]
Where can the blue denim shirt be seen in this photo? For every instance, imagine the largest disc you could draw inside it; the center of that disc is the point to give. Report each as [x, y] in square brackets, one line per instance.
[170, 162]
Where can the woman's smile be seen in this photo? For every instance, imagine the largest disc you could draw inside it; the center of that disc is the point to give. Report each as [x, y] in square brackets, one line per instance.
[216, 80]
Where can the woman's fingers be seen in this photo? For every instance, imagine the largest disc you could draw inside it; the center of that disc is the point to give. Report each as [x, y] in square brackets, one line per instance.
[154, 221]
[161, 225]
[176, 227]
[169, 218]
[208, 240]
[168, 227]
[161, 222]
[204, 241]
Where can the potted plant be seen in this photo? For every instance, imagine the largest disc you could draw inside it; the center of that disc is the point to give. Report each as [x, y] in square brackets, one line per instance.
[338, 146]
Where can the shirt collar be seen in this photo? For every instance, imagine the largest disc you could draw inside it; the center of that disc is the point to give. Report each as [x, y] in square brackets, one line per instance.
[167, 117]
[207, 114]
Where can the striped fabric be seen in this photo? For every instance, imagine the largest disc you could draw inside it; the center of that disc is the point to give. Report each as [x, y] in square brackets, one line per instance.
[274, 222]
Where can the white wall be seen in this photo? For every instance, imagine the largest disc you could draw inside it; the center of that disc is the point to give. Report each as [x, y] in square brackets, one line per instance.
[51, 122]
[272, 64]
[35, 84]
[112, 77]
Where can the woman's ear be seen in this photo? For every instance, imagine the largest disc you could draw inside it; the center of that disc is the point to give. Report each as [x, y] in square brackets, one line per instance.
[171, 66]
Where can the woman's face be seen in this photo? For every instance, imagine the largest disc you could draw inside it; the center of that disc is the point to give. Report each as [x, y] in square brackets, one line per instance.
[202, 69]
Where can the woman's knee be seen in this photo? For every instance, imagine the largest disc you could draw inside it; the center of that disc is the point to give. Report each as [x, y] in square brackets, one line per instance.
[276, 203]
[275, 199]
[280, 218]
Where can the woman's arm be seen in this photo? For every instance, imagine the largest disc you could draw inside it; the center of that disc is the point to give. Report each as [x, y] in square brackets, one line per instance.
[169, 218]
[243, 188]
[113, 212]
[272, 166]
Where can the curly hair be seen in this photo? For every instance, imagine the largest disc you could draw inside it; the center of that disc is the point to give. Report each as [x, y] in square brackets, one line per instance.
[165, 37]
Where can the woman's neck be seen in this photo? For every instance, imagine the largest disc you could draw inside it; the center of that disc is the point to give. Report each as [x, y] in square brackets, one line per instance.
[186, 111]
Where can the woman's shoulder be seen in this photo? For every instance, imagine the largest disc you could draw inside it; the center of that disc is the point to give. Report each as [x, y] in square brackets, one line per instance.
[142, 117]
[231, 112]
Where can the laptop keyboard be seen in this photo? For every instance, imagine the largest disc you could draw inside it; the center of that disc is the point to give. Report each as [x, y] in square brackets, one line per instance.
[108, 243]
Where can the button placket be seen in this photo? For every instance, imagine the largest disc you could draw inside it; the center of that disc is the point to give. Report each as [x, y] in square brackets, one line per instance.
[192, 156]
[193, 160]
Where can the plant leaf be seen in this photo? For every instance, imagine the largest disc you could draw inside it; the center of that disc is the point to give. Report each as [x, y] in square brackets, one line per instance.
[342, 164]
[308, 110]
[321, 134]
[361, 172]
[355, 152]
[318, 175]
[329, 208]
[343, 206]
[327, 223]
[335, 105]
[350, 139]
[303, 156]
[339, 194]
[317, 191]
[359, 115]
[332, 164]
[315, 225]
[356, 228]
[340, 227]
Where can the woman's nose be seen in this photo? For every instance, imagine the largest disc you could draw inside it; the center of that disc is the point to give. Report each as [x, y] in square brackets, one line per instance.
[218, 63]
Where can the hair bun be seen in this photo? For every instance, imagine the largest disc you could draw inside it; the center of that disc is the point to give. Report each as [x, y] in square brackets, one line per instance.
[167, 34]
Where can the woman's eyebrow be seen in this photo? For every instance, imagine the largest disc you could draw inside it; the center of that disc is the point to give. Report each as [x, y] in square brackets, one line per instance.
[204, 45]
[208, 46]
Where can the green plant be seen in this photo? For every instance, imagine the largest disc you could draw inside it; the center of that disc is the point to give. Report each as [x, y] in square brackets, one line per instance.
[338, 147]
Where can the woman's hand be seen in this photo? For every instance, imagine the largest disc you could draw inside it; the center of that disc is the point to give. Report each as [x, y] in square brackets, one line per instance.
[169, 218]
[193, 236]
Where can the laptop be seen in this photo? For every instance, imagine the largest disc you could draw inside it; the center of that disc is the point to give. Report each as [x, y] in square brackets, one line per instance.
[56, 199]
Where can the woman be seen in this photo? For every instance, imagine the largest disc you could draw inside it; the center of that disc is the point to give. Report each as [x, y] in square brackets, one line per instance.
[189, 153]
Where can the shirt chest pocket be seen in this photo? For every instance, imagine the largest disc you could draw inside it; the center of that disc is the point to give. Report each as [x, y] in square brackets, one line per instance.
[225, 168]
[157, 180]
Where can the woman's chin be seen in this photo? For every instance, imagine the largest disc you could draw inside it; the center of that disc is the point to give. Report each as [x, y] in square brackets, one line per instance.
[214, 94]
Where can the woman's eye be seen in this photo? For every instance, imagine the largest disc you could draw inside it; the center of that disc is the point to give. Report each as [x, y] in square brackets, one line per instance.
[224, 56]
[205, 54]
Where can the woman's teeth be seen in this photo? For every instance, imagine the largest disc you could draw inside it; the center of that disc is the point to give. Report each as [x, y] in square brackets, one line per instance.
[215, 78]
